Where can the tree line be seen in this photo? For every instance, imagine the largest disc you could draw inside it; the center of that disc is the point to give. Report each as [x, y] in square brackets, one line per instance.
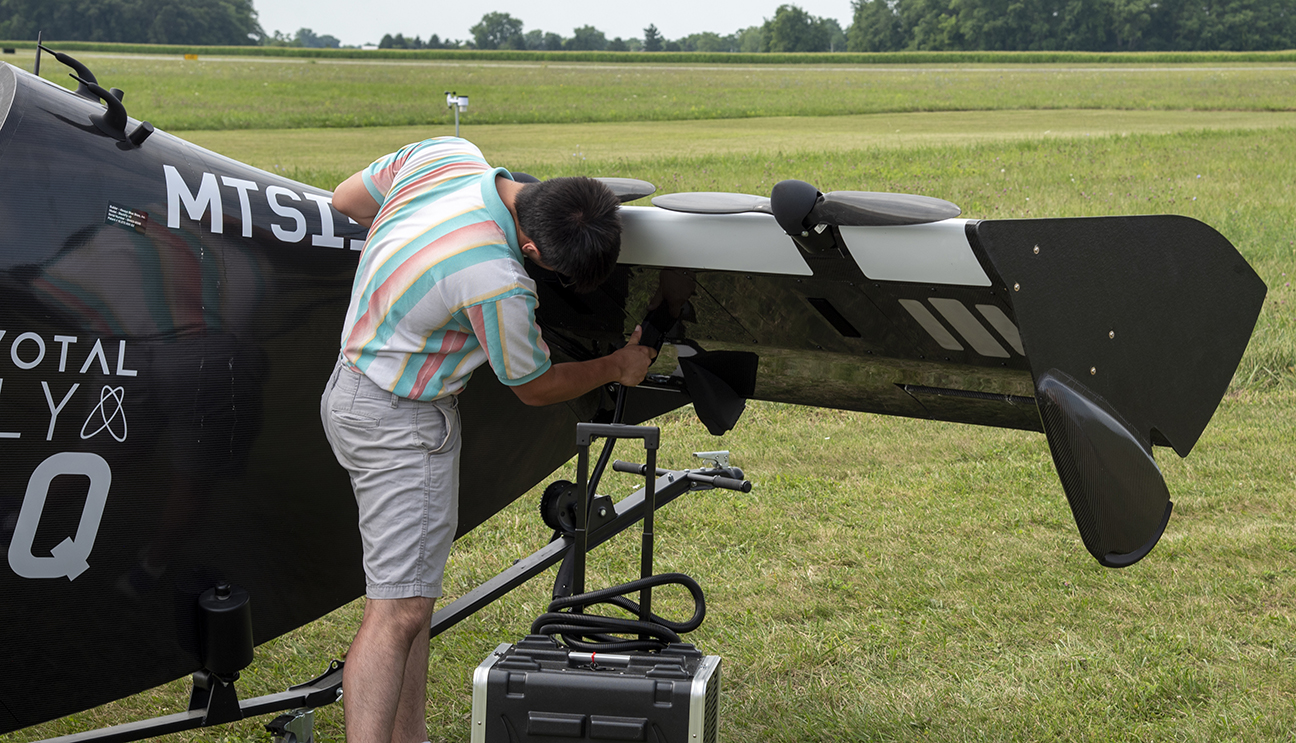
[876, 26]
[1072, 25]
[790, 30]
[206, 22]
[944, 25]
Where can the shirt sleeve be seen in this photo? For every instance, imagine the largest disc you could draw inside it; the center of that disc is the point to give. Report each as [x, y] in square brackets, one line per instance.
[506, 329]
[381, 174]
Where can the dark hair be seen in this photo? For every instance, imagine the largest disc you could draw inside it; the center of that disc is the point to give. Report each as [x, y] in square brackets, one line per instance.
[575, 226]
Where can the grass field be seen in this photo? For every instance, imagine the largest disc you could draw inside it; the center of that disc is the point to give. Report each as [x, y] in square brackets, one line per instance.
[239, 93]
[902, 580]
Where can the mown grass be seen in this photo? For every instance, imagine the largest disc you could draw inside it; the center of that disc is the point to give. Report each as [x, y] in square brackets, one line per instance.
[603, 145]
[982, 57]
[176, 94]
[902, 580]
[897, 580]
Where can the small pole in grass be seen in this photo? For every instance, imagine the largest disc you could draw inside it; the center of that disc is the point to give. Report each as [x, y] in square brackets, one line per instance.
[458, 103]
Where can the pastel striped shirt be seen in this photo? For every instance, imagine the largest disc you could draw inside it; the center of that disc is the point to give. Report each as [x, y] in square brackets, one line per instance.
[440, 289]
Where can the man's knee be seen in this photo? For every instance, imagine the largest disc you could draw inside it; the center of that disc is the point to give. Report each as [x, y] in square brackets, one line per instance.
[407, 616]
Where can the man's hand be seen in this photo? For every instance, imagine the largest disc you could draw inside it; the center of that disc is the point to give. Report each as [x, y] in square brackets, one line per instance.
[633, 360]
[562, 382]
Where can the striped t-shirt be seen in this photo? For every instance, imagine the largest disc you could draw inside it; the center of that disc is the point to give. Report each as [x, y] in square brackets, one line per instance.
[440, 288]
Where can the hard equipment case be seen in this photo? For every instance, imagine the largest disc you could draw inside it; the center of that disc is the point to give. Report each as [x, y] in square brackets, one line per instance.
[539, 692]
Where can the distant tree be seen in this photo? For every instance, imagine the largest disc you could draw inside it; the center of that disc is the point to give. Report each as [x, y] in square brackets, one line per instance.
[543, 41]
[652, 40]
[395, 42]
[586, 38]
[1081, 25]
[400, 41]
[307, 38]
[1237, 25]
[1130, 19]
[876, 27]
[932, 24]
[794, 30]
[751, 40]
[706, 42]
[836, 36]
[617, 45]
[498, 31]
[278, 38]
[672, 46]
[635, 44]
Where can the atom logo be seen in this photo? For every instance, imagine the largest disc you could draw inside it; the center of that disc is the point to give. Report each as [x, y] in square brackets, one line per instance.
[109, 411]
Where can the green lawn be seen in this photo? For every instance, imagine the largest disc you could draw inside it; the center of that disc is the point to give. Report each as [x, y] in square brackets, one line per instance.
[891, 579]
[618, 145]
[901, 580]
[259, 93]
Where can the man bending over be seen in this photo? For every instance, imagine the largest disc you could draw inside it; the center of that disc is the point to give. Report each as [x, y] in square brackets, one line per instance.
[440, 290]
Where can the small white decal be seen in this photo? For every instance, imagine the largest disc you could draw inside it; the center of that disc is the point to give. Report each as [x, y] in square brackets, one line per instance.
[109, 397]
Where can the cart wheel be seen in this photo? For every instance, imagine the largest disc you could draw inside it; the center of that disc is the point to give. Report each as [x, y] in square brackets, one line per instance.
[558, 506]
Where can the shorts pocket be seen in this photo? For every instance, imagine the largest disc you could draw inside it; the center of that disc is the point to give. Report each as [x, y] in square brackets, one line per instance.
[352, 420]
[434, 426]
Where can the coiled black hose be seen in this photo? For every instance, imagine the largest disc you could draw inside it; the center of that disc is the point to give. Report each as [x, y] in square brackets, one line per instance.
[593, 632]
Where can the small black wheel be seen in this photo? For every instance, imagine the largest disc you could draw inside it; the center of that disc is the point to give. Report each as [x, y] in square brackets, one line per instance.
[558, 506]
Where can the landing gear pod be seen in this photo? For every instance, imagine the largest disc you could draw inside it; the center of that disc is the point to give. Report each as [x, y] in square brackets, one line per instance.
[1117, 494]
[227, 629]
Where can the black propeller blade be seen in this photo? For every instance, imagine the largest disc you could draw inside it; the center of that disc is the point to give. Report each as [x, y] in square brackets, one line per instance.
[798, 206]
[625, 189]
[868, 208]
[713, 202]
[628, 189]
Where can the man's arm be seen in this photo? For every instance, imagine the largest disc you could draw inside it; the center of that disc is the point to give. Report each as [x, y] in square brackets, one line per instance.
[353, 199]
[562, 382]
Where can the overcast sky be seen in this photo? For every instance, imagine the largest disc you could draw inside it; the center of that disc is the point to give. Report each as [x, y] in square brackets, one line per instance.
[366, 21]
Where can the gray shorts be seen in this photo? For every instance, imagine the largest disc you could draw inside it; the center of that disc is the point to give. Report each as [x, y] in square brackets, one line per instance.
[403, 458]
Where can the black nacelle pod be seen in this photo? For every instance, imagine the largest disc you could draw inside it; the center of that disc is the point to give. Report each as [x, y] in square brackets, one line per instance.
[226, 629]
[792, 201]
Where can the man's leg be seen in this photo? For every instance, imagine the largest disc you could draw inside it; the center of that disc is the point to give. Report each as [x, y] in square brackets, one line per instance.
[403, 458]
[411, 712]
[378, 666]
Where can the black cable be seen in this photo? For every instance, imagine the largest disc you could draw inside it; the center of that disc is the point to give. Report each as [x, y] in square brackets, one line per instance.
[596, 633]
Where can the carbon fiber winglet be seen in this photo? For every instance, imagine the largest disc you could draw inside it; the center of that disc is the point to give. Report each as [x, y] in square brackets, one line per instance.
[1133, 328]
